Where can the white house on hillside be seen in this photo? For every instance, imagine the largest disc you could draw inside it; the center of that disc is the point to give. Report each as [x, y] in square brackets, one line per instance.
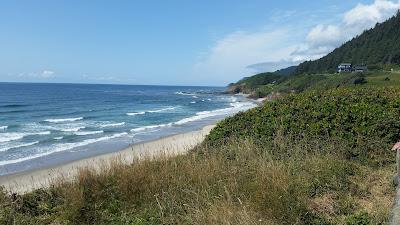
[348, 67]
[344, 67]
[360, 69]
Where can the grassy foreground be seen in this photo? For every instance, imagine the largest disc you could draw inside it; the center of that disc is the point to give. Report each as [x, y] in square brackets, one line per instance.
[311, 158]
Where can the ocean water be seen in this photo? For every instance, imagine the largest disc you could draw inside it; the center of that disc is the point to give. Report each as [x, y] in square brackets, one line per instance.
[44, 125]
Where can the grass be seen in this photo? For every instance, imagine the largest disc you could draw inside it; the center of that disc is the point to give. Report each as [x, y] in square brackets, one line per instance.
[288, 181]
[319, 157]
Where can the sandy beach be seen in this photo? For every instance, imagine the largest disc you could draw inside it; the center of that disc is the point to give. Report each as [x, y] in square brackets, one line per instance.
[172, 145]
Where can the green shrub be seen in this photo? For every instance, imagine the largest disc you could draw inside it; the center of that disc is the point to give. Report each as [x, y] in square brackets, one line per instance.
[359, 219]
[360, 116]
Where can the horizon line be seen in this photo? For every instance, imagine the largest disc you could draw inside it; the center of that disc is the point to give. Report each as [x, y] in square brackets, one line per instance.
[165, 85]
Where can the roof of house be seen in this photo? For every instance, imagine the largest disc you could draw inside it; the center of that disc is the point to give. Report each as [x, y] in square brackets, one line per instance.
[345, 64]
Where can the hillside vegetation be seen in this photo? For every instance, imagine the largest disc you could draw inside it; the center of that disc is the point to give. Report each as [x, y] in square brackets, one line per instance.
[312, 158]
[375, 47]
[378, 48]
[266, 84]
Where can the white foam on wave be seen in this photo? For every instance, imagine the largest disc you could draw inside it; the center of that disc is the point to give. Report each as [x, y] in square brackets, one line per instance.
[150, 127]
[150, 111]
[60, 148]
[161, 110]
[72, 129]
[18, 146]
[58, 138]
[195, 96]
[63, 120]
[3, 127]
[183, 93]
[112, 124]
[84, 133]
[194, 102]
[235, 107]
[40, 133]
[233, 99]
[7, 137]
[135, 113]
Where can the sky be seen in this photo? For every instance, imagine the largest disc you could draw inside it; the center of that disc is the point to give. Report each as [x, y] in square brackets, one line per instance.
[173, 42]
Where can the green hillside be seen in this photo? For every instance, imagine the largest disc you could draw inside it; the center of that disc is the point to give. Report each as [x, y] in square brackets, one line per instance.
[378, 48]
[375, 47]
[249, 84]
[265, 84]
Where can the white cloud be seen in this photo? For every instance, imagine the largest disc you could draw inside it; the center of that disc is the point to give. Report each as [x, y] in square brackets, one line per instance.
[368, 15]
[268, 50]
[325, 38]
[233, 53]
[47, 74]
[273, 65]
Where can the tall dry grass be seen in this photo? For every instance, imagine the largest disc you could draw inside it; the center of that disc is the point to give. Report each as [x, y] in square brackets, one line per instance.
[287, 181]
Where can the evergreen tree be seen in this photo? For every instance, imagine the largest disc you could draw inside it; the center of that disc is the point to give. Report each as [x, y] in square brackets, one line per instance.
[375, 47]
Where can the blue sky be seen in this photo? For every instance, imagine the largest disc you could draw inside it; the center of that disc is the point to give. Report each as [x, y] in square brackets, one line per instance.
[172, 42]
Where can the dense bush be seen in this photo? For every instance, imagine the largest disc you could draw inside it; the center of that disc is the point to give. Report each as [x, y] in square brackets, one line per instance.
[357, 115]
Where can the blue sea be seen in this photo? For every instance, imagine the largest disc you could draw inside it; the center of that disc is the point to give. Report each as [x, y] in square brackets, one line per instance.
[43, 125]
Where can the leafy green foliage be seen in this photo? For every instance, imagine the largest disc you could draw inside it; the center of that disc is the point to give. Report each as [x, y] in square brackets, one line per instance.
[359, 219]
[357, 115]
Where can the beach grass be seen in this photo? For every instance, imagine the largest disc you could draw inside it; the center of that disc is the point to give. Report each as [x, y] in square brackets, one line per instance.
[286, 162]
[289, 181]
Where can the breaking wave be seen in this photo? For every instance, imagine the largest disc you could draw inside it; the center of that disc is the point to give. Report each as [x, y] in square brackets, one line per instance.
[63, 120]
[60, 148]
[7, 137]
[18, 146]
[84, 133]
[112, 124]
[150, 111]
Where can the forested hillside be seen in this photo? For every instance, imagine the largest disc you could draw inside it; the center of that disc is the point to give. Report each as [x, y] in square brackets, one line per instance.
[375, 47]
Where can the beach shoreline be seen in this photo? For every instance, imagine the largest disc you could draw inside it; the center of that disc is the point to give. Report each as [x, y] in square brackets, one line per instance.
[45, 177]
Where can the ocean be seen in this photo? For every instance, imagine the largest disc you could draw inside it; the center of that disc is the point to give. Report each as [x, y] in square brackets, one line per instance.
[43, 125]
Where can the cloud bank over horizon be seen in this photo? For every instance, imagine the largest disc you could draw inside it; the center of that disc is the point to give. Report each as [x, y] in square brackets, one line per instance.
[241, 53]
